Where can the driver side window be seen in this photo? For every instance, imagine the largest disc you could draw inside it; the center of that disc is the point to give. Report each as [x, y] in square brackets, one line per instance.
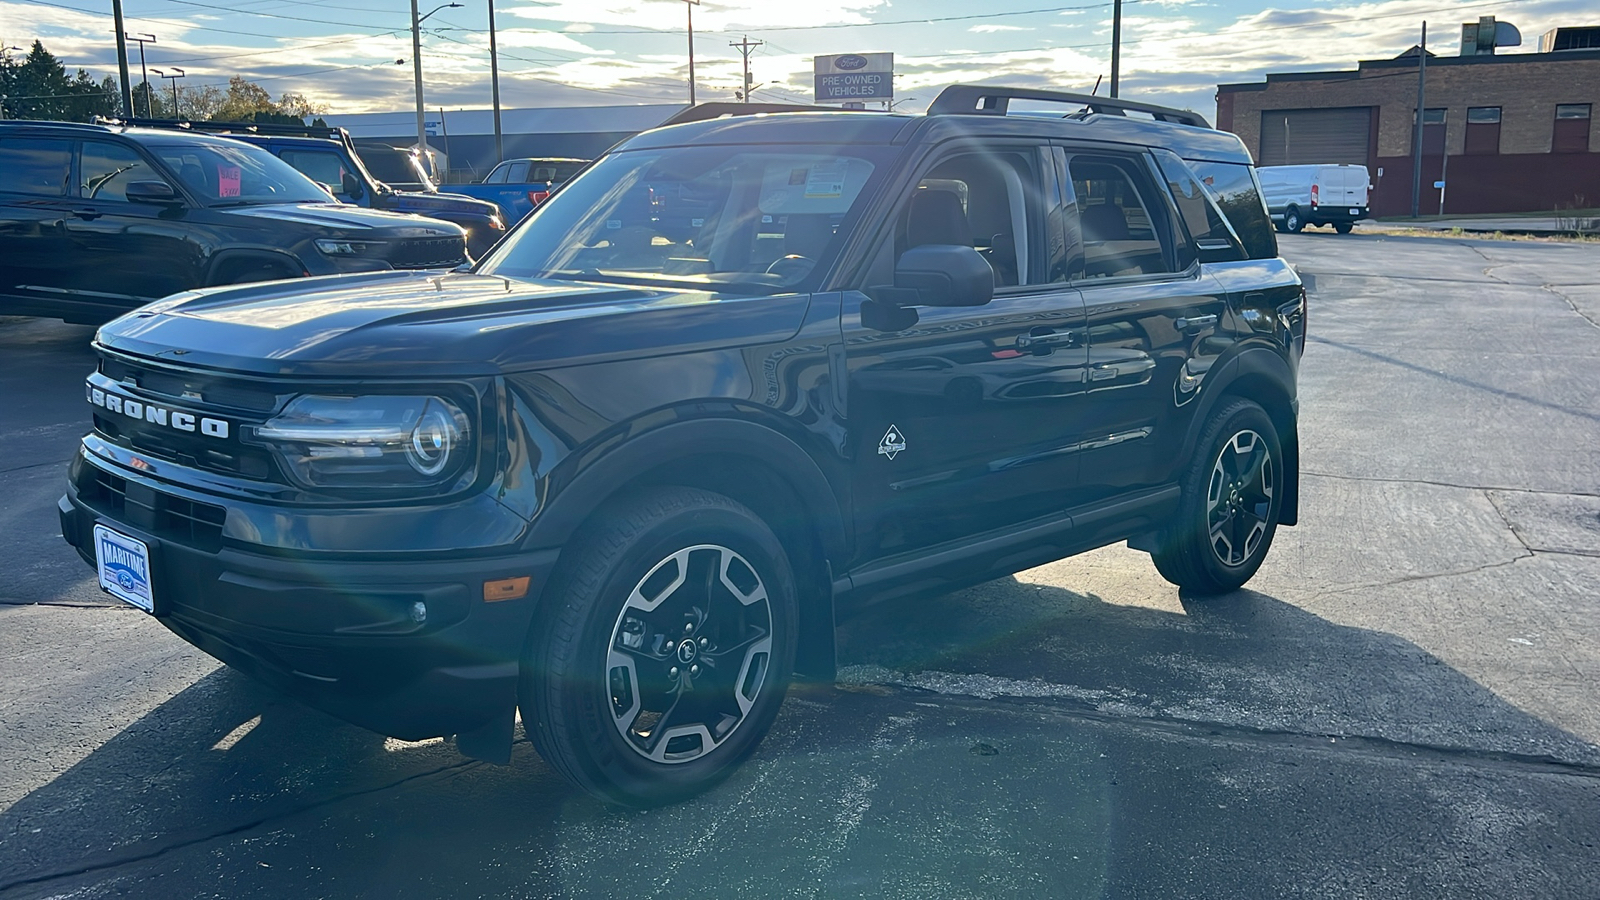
[105, 170]
[989, 200]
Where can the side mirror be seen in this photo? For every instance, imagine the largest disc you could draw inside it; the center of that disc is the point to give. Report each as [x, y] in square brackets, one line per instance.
[351, 186]
[151, 192]
[942, 275]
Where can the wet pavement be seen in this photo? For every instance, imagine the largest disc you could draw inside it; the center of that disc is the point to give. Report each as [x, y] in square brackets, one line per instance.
[1402, 704]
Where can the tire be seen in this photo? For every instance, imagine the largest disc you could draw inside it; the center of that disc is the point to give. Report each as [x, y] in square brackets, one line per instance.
[606, 663]
[1292, 221]
[1343, 227]
[1226, 518]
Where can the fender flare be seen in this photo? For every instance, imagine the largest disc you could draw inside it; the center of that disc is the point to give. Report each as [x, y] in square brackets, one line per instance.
[224, 258]
[603, 476]
[1260, 365]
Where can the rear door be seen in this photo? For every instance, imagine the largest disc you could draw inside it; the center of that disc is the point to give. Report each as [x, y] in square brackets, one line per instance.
[1156, 320]
[34, 261]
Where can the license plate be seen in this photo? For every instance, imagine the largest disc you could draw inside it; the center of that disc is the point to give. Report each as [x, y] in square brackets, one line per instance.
[124, 565]
[1355, 212]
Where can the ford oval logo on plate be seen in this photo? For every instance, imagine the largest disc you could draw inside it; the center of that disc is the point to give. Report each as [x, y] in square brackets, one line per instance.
[850, 63]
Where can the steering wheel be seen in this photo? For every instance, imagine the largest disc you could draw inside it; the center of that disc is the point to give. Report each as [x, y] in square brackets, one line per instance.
[792, 268]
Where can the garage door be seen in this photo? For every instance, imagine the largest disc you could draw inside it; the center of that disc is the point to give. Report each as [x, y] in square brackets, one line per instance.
[1295, 137]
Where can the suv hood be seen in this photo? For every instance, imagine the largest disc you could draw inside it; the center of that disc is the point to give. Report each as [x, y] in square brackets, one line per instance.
[455, 324]
[348, 218]
[426, 203]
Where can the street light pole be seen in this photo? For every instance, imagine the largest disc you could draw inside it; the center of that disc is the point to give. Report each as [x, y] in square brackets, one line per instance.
[494, 87]
[690, 5]
[177, 111]
[1422, 114]
[416, 67]
[144, 75]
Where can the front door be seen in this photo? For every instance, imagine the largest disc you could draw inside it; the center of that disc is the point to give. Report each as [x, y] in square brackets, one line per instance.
[962, 422]
[125, 254]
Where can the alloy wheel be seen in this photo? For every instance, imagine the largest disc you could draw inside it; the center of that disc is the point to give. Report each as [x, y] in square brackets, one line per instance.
[689, 654]
[1239, 497]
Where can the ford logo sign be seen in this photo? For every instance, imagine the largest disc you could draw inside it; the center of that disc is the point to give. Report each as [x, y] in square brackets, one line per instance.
[850, 63]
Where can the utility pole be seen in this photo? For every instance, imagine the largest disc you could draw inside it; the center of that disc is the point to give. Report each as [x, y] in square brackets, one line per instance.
[494, 88]
[122, 61]
[1422, 113]
[690, 5]
[1116, 46]
[144, 74]
[745, 45]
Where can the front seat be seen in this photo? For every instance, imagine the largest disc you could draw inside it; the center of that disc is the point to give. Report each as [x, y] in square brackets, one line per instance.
[1104, 222]
[936, 217]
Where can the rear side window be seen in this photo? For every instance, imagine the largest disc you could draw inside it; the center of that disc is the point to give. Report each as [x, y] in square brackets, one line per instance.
[1234, 188]
[517, 172]
[1200, 216]
[1120, 236]
[317, 165]
[38, 167]
[498, 176]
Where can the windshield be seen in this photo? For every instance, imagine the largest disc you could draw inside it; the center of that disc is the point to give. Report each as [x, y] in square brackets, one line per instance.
[391, 165]
[235, 174]
[763, 218]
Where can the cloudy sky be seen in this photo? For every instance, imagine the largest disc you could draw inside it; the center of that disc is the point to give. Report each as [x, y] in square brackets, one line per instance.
[343, 53]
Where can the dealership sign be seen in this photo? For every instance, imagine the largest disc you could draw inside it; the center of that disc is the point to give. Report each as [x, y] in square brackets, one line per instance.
[855, 76]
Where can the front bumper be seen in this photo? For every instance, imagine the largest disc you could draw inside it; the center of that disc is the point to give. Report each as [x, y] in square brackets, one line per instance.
[338, 632]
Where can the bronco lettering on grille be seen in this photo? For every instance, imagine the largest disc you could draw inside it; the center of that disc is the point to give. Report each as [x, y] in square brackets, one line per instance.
[155, 415]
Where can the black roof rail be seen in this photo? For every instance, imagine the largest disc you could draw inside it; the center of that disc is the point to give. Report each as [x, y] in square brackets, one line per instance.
[991, 100]
[262, 128]
[719, 109]
[97, 125]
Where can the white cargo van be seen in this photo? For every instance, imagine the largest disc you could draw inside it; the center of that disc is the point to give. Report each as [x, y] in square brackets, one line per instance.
[1298, 196]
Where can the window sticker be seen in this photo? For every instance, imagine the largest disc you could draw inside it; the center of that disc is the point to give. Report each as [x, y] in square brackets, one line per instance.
[826, 179]
[228, 178]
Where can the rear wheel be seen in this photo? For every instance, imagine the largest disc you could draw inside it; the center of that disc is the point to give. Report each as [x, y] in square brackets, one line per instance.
[662, 655]
[1343, 227]
[1292, 220]
[1228, 512]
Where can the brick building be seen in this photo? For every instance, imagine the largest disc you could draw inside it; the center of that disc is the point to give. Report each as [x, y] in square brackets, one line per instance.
[1516, 132]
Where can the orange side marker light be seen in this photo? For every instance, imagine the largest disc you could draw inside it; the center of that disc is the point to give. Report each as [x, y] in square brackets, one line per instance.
[506, 589]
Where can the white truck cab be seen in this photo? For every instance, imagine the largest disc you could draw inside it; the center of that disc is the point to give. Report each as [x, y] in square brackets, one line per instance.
[1298, 196]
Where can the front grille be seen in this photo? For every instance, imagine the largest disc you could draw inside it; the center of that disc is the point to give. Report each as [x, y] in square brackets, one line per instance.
[236, 401]
[428, 253]
[172, 518]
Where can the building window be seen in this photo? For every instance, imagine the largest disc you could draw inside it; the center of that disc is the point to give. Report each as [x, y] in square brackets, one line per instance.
[1432, 132]
[1483, 131]
[1572, 128]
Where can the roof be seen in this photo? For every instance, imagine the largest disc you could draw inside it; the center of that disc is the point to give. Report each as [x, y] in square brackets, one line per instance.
[1408, 60]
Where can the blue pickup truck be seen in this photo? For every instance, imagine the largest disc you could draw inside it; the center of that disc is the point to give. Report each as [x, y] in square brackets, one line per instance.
[518, 185]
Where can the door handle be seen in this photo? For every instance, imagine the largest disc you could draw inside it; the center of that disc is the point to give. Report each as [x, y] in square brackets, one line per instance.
[87, 214]
[1194, 323]
[1046, 339]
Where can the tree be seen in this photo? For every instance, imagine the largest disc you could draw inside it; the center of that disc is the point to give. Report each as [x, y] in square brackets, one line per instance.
[39, 88]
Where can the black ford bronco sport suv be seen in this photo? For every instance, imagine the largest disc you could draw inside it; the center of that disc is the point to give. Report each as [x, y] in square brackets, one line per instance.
[621, 475]
[98, 219]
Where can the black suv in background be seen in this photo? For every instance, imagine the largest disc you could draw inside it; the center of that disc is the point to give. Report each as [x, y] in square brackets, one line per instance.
[622, 474]
[328, 156]
[98, 219]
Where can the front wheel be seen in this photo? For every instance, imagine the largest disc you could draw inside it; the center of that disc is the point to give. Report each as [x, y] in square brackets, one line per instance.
[1228, 512]
[662, 655]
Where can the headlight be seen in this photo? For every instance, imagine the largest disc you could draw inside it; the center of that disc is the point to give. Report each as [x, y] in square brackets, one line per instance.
[373, 441]
[349, 248]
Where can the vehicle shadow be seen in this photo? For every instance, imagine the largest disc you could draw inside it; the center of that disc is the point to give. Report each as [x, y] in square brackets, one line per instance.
[232, 789]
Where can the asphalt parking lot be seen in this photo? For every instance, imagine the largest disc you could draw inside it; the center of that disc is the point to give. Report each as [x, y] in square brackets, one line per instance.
[1402, 704]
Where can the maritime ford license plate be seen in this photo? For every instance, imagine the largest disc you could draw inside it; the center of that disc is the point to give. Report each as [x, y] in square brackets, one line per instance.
[124, 565]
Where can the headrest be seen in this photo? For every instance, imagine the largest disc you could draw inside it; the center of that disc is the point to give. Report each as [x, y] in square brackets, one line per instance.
[936, 217]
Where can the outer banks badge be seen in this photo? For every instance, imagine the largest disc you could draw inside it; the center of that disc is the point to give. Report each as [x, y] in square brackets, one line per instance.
[124, 565]
[893, 442]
